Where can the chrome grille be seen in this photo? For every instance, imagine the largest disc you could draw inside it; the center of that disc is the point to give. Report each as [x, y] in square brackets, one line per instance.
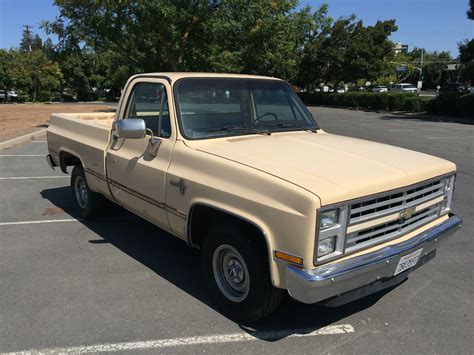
[389, 204]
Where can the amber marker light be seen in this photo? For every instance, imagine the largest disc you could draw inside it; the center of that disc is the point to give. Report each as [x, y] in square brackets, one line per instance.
[287, 257]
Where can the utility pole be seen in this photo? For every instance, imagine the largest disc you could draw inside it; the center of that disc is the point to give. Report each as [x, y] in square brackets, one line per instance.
[27, 29]
[421, 64]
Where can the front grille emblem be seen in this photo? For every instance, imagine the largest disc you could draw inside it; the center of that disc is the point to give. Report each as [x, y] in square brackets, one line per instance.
[406, 214]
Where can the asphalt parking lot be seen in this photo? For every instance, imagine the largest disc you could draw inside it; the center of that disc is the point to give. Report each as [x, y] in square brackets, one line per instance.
[121, 284]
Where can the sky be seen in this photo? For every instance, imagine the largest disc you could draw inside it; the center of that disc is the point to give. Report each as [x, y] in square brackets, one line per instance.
[432, 24]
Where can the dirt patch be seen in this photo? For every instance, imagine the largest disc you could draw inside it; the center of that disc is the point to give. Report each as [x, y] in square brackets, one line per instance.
[52, 211]
[20, 119]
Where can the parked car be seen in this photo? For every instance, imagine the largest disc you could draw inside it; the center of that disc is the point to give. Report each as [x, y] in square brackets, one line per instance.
[13, 96]
[3, 95]
[380, 88]
[274, 203]
[340, 90]
[404, 87]
[454, 87]
[358, 88]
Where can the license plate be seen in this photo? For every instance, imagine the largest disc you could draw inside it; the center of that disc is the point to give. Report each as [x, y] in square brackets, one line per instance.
[408, 261]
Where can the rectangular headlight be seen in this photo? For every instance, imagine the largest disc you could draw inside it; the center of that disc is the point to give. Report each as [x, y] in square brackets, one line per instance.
[326, 246]
[328, 219]
[331, 233]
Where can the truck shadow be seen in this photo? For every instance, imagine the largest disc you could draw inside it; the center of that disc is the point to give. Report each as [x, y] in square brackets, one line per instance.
[172, 260]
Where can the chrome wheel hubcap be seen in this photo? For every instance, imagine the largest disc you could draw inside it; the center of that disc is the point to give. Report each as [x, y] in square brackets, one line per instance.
[80, 188]
[231, 273]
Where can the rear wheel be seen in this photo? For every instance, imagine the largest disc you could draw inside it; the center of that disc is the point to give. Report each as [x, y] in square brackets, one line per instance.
[88, 202]
[236, 272]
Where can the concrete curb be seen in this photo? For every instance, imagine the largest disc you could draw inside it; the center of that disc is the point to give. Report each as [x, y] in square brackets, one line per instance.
[23, 139]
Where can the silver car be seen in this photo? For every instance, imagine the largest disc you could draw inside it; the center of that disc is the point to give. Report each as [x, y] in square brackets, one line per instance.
[403, 87]
[379, 88]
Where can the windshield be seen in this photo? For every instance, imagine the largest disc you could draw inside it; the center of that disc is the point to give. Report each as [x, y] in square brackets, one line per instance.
[210, 108]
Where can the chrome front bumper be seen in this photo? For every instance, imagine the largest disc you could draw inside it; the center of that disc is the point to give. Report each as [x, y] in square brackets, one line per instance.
[327, 281]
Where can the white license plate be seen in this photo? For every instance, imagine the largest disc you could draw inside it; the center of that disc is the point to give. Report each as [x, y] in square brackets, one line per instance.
[408, 261]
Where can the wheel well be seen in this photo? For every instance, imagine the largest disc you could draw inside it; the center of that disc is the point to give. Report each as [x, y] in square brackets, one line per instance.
[67, 159]
[202, 217]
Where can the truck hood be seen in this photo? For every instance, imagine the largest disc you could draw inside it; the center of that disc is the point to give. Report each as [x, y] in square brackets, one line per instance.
[335, 168]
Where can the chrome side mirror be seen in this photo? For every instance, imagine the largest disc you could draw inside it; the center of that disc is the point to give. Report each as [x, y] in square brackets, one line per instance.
[131, 128]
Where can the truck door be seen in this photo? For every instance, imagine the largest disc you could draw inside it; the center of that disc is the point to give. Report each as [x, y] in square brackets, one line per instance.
[136, 173]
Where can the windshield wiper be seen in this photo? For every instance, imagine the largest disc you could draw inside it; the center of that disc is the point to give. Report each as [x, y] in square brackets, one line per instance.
[292, 125]
[239, 128]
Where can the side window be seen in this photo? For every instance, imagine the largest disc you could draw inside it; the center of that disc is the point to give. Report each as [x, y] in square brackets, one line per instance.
[149, 102]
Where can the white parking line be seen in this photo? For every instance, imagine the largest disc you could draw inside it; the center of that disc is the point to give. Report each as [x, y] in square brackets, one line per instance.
[34, 177]
[197, 340]
[447, 137]
[39, 222]
[22, 155]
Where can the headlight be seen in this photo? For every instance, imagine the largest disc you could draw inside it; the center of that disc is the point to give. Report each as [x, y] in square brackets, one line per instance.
[331, 233]
[328, 219]
[448, 193]
[326, 246]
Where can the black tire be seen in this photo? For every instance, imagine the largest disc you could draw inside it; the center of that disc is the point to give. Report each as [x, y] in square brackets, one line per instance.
[262, 298]
[89, 203]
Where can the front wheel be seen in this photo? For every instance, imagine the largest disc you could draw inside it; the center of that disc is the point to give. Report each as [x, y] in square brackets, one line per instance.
[88, 202]
[236, 272]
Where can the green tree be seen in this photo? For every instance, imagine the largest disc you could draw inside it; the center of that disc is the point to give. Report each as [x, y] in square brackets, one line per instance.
[401, 67]
[36, 43]
[434, 67]
[261, 36]
[466, 51]
[346, 50]
[83, 72]
[466, 56]
[6, 77]
[26, 42]
[30, 41]
[35, 74]
[470, 11]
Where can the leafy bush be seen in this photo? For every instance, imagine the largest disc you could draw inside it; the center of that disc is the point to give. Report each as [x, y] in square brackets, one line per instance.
[414, 104]
[452, 103]
[467, 106]
[394, 101]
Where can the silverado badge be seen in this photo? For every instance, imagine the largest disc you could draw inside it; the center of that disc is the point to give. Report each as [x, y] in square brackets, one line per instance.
[181, 184]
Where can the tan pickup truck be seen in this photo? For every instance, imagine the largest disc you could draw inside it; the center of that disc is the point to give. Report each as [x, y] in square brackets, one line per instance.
[237, 166]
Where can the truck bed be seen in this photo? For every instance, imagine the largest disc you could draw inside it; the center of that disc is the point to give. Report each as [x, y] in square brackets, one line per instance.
[84, 135]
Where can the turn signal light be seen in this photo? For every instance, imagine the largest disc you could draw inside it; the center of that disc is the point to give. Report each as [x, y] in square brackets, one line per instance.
[287, 257]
